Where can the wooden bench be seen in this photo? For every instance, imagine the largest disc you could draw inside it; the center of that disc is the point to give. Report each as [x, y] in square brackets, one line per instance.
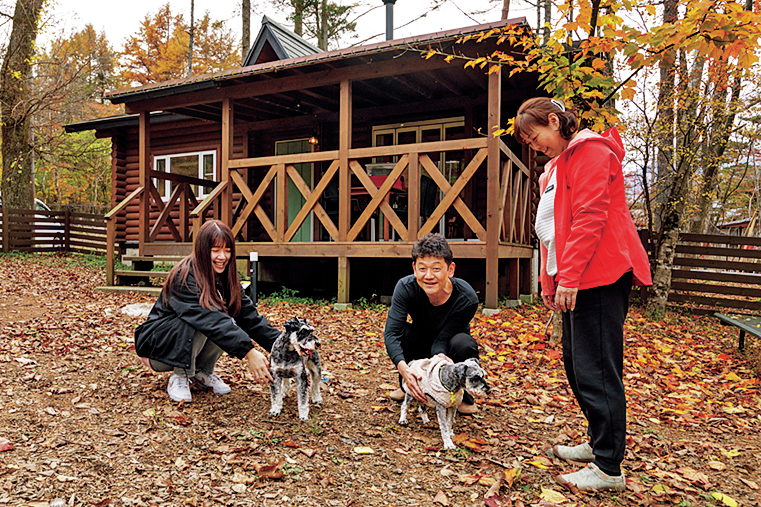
[747, 323]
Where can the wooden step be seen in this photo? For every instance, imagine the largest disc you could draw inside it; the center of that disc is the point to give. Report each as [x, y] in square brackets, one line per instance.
[153, 258]
[128, 273]
[118, 289]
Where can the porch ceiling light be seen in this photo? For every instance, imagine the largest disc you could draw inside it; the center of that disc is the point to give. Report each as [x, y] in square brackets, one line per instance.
[313, 140]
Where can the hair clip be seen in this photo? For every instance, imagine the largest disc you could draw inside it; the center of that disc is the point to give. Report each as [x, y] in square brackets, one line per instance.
[558, 103]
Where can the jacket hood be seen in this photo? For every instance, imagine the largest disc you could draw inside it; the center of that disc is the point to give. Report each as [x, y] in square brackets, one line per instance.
[609, 137]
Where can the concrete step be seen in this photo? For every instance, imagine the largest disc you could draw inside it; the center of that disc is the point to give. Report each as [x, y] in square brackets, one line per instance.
[118, 289]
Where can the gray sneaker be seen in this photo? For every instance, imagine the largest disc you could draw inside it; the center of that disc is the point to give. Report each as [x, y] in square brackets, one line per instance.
[591, 478]
[179, 388]
[580, 453]
[211, 381]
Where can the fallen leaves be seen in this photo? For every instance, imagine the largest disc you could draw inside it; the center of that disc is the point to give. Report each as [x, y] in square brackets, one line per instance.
[5, 444]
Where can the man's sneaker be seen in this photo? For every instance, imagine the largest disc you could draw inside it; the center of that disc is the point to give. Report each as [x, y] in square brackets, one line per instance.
[211, 381]
[591, 478]
[580, 453]
[179, 388]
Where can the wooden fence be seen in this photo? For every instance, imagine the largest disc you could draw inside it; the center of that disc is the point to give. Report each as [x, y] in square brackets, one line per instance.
[712, 270]
[52, 231]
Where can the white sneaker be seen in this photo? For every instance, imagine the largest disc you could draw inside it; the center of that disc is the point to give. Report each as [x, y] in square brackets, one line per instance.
[211, 381]
[179, 388]
[581, 453]
[591, 478]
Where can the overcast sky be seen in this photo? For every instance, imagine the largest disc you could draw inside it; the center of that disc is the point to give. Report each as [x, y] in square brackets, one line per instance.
[120, 20]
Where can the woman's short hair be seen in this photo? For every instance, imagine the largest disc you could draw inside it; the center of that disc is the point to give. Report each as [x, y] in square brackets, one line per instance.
[433, 245]
[535, 112]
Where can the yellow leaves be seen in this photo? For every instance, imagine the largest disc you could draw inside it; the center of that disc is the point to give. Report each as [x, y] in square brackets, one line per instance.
[731, 376]
[650, 9]
[725, 499]
[598, 64]
[730, 454]
[363, 450]
[552, 496]
[430, 54]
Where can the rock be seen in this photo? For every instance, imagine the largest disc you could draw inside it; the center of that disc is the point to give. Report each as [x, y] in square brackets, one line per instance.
[137, 309]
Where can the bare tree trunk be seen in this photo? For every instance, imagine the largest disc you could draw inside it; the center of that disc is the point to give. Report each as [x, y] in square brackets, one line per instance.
[246, 40]
[322, 24]
[547, 19]
[298, 17]
[505, 8]
[15, 110]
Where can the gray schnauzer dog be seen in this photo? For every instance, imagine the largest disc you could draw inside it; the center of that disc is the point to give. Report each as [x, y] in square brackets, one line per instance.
[444, 384]
[294, 355]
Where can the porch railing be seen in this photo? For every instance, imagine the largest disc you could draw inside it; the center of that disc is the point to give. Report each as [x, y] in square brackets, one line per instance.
[514, 192]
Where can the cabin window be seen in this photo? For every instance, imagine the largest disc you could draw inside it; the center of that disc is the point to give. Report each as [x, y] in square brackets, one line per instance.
[197, 165]
[445, 129]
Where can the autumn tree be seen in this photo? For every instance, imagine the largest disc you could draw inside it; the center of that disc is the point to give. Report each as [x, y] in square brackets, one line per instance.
[70, 80]
[15, 106]
[709, 42]
[159, 50]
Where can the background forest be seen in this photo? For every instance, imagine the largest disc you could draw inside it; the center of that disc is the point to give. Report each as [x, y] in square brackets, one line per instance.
[679, 79]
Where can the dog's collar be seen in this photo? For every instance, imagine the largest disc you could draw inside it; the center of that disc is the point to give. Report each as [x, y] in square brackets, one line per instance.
[452, 396]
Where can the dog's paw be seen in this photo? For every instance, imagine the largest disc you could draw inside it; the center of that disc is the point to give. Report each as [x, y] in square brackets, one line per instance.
[274, 412]
[304, 418]
[317, 401]
[449, 446]
[403, 422]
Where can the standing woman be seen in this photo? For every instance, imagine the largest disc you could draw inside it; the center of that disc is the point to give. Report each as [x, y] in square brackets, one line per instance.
[591, 256]
[201, 313]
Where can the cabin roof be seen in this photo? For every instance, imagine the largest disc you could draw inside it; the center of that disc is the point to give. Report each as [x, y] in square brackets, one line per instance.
[119, 120]
[278, 40]
[329, 59]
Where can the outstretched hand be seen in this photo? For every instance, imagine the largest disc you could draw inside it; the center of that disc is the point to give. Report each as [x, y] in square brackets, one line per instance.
[411, 379]
[258, 366]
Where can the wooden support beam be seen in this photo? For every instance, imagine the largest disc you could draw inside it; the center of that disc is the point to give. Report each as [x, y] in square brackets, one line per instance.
[281, 190]
[344, 175]
[226, 202]
[493, 166]
[344, 185]
[145, 165]
[343, 280]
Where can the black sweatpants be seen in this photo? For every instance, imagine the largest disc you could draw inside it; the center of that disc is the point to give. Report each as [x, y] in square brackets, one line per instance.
[462, 346]
[593, 355]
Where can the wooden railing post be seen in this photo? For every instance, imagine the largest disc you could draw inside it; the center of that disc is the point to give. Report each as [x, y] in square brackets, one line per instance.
[110, 245]
[226, 202]
[67, 230]
[6, 231]
[144, 137]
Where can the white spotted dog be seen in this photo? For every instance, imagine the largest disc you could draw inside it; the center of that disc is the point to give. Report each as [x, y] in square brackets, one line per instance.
[444, 384]
[294, 355]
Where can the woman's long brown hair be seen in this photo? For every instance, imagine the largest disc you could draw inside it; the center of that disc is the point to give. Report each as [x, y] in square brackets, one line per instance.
[212, 234]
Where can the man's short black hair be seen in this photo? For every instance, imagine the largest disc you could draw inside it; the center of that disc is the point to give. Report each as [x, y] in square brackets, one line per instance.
[433, 245]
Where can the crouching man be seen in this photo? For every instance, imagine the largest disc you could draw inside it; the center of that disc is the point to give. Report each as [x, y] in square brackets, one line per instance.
[441, 308]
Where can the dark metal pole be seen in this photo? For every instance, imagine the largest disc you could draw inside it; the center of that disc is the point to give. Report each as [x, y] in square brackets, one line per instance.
[253, 260]
[389, 18]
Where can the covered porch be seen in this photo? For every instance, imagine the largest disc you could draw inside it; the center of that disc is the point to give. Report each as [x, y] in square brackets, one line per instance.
[353, 189]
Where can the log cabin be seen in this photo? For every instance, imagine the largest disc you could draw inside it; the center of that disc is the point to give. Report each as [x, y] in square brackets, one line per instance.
[329, 165]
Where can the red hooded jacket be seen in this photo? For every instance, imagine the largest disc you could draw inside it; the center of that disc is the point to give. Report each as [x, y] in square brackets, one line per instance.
[596, 240]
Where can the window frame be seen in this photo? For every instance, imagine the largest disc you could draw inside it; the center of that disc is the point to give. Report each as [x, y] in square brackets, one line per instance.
[166, 157]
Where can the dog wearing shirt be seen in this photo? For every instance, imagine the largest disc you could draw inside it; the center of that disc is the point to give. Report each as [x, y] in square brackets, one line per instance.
[444, 384]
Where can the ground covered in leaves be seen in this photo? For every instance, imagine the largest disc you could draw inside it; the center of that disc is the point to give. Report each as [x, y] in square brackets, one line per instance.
[82, 421]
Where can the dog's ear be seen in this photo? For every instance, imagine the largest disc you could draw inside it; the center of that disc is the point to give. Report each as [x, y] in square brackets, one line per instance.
[292, 324]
